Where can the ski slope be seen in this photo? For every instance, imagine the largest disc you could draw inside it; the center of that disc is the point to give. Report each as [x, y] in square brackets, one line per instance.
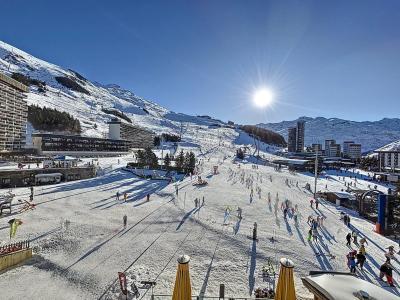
[80, 260]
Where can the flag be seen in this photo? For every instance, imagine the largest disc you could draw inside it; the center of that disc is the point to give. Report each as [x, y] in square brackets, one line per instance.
[14, 223]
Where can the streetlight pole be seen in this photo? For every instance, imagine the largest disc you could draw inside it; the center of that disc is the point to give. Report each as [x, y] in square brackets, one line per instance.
[316, 173]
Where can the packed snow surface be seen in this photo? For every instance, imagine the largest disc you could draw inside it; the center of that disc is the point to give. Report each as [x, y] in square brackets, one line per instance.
[80, 243]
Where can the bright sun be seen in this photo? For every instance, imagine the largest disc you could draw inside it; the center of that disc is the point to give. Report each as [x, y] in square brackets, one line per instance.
[263, 97]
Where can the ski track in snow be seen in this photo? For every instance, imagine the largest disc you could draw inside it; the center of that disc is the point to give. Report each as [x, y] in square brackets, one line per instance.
[82, 261]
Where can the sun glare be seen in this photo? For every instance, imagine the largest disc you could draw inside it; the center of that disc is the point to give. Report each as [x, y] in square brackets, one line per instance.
[263, 98]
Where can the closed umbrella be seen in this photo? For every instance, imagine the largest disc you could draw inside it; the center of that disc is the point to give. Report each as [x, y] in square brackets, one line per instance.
[182, 288]
[285, 289]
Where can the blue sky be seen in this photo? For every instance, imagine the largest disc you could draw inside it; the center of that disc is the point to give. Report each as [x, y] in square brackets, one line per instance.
[321, 58]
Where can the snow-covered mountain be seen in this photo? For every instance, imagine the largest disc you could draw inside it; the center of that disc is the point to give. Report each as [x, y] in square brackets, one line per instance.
[90, 102]
[371, 135]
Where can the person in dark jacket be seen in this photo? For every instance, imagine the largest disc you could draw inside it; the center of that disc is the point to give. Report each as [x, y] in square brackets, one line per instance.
[348, 238]
[360, 259]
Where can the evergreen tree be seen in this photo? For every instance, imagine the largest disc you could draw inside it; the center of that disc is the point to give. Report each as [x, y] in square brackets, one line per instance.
[140, 157]
[179, 161]
[167, 161]
[151, 158]
[192, 162]
[186, 162]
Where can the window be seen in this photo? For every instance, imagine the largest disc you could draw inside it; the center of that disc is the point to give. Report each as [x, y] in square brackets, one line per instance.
[5, 180]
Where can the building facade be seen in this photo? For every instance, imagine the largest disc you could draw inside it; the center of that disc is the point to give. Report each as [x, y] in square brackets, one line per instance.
[334, 150]
[53, 144]
[14, 113]
[317, 148]
[300, 132]
[354, 152]
[328, 143]
[389, 157]
[296, 137]
[346, 145]
[139, 137]
[292, 139]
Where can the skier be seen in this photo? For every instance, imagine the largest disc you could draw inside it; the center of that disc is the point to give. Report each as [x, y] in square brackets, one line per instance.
[309, 234]
[390, 253]
[316, 203]
[239, 213]
[196, 202]
[255, 231]
[31, 197]
[117, 196]
[363, 241]
[311, 203]
[285, 213]
[348, 238]
[315, 235]
[352, 264]
[125, 196]
[202, 204]
[360, 259]
[148, 197]
[31, 190]
[386, 270]
[362, 249]
[125, 220]
[354, 236]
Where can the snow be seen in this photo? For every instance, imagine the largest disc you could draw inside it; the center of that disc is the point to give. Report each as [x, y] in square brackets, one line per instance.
[81, 260]
[76, 229]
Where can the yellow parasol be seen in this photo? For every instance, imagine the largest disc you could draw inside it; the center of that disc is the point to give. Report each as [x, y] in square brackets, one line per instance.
[182, 288]
[285, 289]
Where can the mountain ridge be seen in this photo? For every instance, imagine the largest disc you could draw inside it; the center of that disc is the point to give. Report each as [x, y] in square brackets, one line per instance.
[370, 134]
[66, 90]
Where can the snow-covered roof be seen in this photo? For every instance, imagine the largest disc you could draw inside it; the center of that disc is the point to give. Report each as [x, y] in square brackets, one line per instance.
[64, 157]
[48, 175]
[343, 195]
[292, 161]
[342, 286]
[392, 147]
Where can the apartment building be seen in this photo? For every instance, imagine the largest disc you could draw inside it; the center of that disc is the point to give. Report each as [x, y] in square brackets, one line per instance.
[138, 136]
[13, 114]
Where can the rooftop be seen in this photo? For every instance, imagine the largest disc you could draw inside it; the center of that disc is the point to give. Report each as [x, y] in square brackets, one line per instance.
[14, 83]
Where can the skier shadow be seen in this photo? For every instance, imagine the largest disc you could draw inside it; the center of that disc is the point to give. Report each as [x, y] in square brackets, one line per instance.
[45, 234]
[318, 212]
[205, 282]
[321, 258]
[288, 227]
[327, 235]
[186, 216]
[235, 228]
[270, 207]
[96, 248]
[300, 235]
[252, 267]
[105, 203]
[362, 235]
